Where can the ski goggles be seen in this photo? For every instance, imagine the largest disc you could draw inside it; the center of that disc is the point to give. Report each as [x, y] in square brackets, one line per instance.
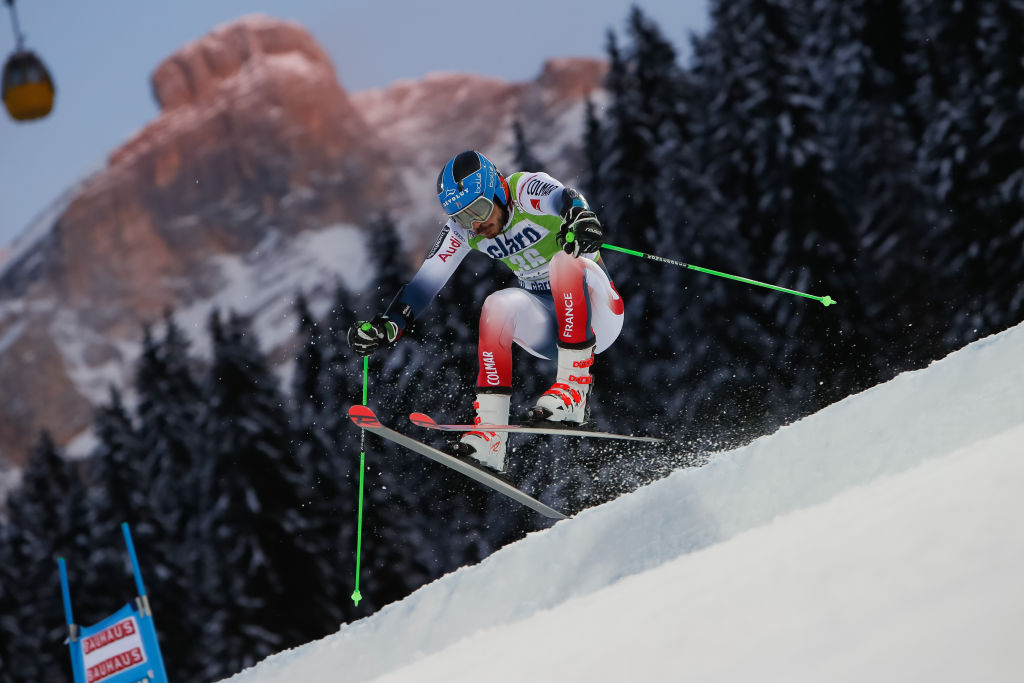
[477, 211]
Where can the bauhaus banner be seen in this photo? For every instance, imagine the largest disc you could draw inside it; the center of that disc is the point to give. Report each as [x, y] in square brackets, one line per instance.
[122, 648]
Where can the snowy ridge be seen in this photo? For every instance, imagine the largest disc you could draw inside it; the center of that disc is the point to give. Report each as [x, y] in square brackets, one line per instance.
[892, 512]
[41, 226]
[262, 285]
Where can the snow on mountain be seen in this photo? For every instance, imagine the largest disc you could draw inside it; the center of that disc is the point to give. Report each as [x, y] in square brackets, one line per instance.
[261, 285]
[41, 225]
[264, 283]
[875, 540]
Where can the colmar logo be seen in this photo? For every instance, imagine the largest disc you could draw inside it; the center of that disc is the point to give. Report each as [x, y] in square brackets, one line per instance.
[490, 368]
[539, 187]
[535, 203]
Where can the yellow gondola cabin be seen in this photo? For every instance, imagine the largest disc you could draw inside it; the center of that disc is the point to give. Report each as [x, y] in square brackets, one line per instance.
[28, 90]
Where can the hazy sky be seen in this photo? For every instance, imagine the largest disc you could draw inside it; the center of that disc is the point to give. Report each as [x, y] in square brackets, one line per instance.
[101, 55]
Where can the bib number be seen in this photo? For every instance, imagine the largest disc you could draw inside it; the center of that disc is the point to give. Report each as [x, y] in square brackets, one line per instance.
[526, 260]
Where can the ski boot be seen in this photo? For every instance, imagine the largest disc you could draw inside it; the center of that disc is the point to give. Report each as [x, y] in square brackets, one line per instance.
[566, 400]
[484, 447]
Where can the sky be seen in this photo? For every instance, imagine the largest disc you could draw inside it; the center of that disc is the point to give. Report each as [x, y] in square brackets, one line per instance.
[101, 56]
[877, 540]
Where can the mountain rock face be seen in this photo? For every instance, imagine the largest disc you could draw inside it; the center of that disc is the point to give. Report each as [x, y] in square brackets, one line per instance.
[255, 181]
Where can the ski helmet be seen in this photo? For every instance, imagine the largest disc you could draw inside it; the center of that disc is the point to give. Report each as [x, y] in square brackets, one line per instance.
[468, 187]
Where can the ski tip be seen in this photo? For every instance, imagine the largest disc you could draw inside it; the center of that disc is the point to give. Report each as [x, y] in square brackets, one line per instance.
[422, 420]
[362, 416]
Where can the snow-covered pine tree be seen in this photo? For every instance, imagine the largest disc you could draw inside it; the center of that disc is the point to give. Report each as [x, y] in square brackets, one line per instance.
[170, 408]
[117, 476]
[523, 158]
[46, 520]
[622, 207]
[326, 467]
[341, 373]
[769, 160]
[967, 60]
[654, 90]
[858, 51]
[388, 260]
[696, 311]
[10, 628]
[116, 468]
[381, 580]
[594, 151]
[307, 386]
[261, 581]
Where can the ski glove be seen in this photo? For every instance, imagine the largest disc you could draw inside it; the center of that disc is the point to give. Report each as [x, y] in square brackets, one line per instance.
[581, 232]
[365, 337]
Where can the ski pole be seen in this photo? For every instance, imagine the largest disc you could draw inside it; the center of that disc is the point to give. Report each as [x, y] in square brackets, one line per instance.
[356, 595]
[826, 300]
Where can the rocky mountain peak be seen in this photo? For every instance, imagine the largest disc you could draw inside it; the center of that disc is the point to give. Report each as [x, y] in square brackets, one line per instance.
[196, 72]
[572, 77]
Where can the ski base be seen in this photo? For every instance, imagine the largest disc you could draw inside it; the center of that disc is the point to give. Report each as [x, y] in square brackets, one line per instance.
[424, 420]
[365, 418]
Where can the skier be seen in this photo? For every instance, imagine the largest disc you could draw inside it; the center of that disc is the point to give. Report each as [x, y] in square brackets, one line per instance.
[566, 306]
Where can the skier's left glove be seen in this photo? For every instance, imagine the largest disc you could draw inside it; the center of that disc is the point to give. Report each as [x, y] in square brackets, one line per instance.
[581, 232]
[365, 337]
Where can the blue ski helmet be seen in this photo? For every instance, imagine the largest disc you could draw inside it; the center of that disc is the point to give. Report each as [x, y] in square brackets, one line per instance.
[467, 186]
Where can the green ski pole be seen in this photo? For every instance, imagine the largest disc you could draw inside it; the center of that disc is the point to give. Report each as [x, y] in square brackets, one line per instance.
[826, 300]
[356, 595]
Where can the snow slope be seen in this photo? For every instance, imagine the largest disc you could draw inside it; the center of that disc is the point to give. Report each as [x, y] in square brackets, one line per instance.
[876, 540]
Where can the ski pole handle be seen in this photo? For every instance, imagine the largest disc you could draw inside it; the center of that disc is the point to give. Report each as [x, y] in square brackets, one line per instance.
[825, 300]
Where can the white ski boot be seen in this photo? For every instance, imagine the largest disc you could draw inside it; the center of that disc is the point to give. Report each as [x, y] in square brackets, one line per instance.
[485, 447]
[566, 400]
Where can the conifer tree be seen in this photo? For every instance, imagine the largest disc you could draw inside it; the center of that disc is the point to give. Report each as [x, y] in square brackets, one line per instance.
[10, 627]
[388, 260]
[594, 151]
[859, 51]
[341, 378]
[166, 531]
[46, 520]
[117, 475]
[260, 578]
[969, 75]
[523, 157]
[170, 408]
[769, 161]
[324, 463]
[116, 466]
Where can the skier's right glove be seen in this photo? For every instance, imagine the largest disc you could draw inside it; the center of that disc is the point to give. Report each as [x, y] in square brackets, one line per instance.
[367, 336]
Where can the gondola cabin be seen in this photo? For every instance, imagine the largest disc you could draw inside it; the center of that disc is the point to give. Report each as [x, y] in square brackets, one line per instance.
[28, 90]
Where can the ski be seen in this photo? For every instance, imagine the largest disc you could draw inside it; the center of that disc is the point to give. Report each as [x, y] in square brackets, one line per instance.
[365, 418]
[424, 420]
